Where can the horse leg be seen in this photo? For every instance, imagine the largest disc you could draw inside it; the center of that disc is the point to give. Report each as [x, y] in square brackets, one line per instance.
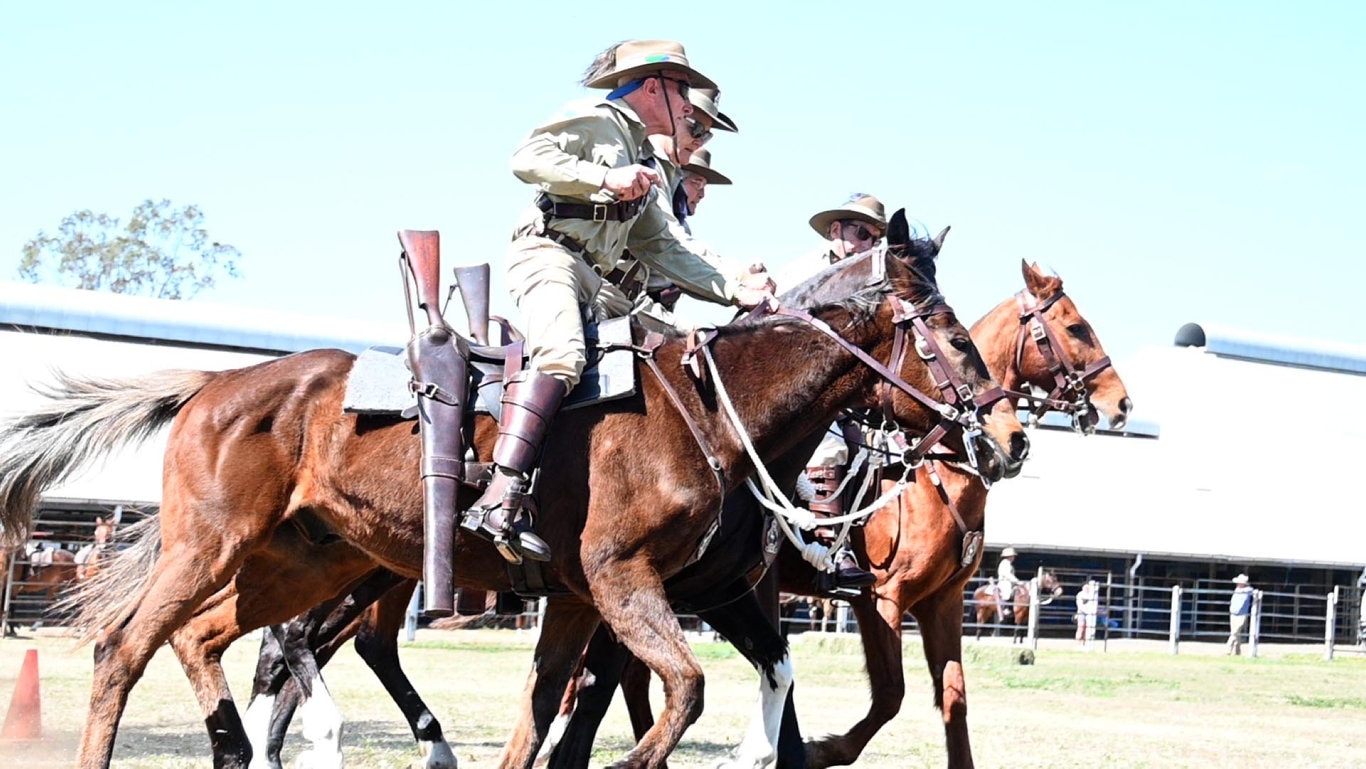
[601, 669]
[741, 619]
[879, 623]
[565, 631]
[181, 580]
[940, 615]
[272, 692]
[377, 643]
[630, 596]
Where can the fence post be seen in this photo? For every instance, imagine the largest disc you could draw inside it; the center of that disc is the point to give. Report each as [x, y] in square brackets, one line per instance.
[9, 588]
[841, 617]
[1032, 629]
[1254, 631]
[1330, 625]
[410, 619]
[1174, 633]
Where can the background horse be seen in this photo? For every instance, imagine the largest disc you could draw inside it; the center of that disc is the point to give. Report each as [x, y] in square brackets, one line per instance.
[254, 448]
[88, 558]
[990, 608]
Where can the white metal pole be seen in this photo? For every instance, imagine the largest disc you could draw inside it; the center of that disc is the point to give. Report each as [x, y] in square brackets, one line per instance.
[1174, 633]
[410, 620]
[1254, 631]
[1032, 631]
[1330, 625]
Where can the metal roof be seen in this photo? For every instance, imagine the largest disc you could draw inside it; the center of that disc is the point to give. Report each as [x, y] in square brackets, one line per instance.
[1274, 348]
[46, 308]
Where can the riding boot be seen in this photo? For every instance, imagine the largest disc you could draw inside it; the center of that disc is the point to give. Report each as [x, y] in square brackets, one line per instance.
[848, 578]
[530, 400]
[440, 380]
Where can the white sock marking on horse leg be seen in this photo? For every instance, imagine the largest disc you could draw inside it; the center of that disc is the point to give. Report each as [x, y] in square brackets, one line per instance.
[553, 736]
[760, 747]
[322, 727]
[256, 722]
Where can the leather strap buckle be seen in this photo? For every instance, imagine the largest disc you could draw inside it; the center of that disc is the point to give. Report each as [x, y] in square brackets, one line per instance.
[599, 212]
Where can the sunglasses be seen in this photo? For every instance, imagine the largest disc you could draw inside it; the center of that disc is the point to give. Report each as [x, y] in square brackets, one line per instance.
[863, 233]
[698, 131]
[683, 85]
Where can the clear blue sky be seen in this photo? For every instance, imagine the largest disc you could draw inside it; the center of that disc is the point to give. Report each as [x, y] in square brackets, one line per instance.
[1173, 161]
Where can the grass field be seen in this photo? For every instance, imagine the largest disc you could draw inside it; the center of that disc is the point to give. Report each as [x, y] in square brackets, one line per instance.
[1135, 706]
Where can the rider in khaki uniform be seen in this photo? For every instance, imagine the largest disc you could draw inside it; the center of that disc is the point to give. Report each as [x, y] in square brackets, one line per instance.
[853, 228]
[594, 200]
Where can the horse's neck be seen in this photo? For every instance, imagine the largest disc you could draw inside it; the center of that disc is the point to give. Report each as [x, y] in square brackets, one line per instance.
[800, 399]
[997, 335]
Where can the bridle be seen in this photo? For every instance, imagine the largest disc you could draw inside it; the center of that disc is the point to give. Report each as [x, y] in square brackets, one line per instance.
[959, 410]
[1069, 394]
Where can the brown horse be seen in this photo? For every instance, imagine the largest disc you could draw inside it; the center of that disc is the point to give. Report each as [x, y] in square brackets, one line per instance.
[916, 545]
[42, 571]
[919, 571]
[990, 607]
[89, 557]
[254, 448]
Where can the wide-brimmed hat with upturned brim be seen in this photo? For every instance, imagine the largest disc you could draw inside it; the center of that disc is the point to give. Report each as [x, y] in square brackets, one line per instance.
[862, 208]
[1241, 579]
[640, 58]
[701, 166]
[708, 100]
[1008, 552]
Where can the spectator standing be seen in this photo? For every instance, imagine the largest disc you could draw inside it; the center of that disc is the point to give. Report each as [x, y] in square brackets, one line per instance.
[1239, 609]
[1088, 605]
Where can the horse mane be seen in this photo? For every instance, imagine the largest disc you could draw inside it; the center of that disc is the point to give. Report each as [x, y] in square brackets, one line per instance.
[920, 284]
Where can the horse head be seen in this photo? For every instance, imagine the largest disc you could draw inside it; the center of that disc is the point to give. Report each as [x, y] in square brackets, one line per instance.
[938, 386]
[1049, 588]
[1057, 352]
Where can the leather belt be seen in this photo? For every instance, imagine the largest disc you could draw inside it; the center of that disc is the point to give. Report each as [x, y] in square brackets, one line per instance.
[596, 212]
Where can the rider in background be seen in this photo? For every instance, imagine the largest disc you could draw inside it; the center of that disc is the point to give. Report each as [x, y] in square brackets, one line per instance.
[594, 199]
[1006, 582]
[851, 229]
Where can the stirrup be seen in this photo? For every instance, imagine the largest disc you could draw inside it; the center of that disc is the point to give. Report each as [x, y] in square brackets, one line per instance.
[497, 517]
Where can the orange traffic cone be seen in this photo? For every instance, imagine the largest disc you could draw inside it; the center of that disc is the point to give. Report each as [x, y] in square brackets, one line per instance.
[25, 718]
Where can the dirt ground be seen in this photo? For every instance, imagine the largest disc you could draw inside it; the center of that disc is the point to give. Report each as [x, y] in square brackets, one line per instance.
[1135, 705]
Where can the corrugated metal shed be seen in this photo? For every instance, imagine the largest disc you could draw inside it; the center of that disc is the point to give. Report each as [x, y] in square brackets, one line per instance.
[1256, 460]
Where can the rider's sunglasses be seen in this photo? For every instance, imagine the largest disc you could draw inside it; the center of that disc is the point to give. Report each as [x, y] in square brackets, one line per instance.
[683, 85]
[863, 233]
[698, 131]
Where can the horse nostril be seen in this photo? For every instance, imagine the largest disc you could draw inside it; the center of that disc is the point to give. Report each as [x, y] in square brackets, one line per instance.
[1019, 446]
[1125, 406]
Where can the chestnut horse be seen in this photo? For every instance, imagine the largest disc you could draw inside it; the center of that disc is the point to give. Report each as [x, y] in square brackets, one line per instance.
[917, 546]
[636, 488]
[88, 558]
[1072, 369]
[990, 609]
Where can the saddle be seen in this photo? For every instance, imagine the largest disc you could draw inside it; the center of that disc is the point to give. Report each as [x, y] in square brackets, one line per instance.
[432, 380]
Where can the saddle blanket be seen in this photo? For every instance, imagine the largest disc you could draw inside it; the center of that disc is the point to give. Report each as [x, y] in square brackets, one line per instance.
[378, 382]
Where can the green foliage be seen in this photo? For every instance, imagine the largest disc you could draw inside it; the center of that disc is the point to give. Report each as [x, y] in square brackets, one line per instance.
[163, 252]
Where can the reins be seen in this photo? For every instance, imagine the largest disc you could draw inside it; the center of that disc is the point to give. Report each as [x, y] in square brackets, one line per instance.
[957, 412]
[1069, 380]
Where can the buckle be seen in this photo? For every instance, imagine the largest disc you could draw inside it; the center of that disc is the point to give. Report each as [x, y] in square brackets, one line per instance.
[599, 212]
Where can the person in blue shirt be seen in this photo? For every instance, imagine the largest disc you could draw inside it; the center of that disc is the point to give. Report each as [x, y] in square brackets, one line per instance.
[1239, 609]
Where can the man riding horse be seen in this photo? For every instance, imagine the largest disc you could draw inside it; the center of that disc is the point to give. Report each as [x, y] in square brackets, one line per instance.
[594, 200]
[1006, 582]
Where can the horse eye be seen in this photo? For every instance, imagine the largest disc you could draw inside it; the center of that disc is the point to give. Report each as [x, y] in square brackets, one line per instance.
[961, 343]
[1080, 331]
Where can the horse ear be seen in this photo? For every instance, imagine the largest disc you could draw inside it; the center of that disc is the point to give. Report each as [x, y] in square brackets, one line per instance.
[939, 240]
[1034, 280]
[898, 230]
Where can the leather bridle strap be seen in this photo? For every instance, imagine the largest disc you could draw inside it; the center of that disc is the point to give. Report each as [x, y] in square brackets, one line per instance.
[1067, 377]
[647, 353]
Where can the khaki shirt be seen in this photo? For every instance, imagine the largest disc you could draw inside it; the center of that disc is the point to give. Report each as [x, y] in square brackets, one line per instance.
[568, 159]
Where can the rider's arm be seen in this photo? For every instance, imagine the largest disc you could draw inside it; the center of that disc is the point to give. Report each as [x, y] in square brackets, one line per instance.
[553, 156]
[660, 242]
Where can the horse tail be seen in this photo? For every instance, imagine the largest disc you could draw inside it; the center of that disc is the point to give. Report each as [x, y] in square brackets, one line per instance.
[106, 599]
[80, 420]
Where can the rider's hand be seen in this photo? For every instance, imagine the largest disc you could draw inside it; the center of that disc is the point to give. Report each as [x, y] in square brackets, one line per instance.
[756, 288]
[631, 182]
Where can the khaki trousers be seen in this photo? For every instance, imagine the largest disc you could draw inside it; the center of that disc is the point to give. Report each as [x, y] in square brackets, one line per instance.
[550, 283]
